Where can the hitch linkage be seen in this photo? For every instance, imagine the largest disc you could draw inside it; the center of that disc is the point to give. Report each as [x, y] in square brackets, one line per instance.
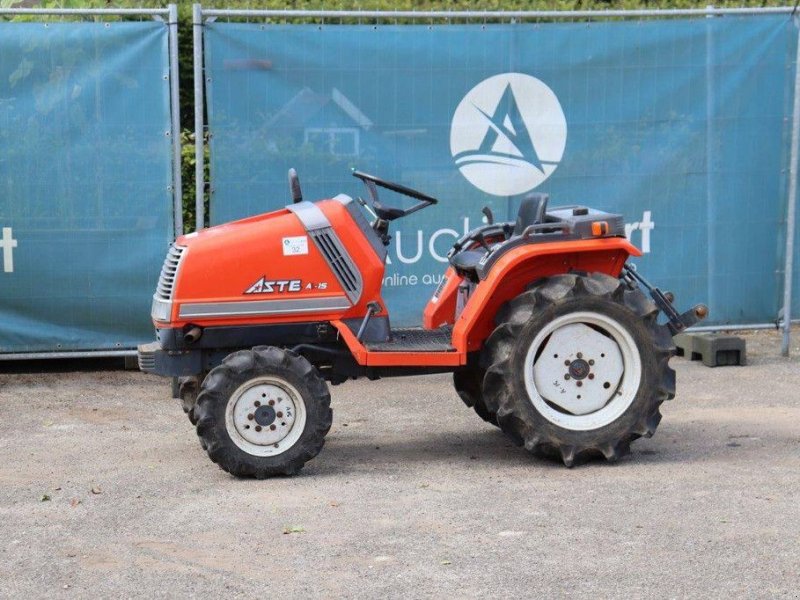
[675, 321]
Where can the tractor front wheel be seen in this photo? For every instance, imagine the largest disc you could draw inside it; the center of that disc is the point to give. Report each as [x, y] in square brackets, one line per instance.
[185, 390]
[263, 412]
[578, 367]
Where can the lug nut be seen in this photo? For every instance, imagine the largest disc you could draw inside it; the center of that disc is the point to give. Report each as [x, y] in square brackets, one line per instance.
[579, 383]
[257, 403]
[566, 376]
[251, 416]
[566, 363]
[272, 427]
[591, 375]
[272, 402]
[258, 427]
[280, 414]
[580, 354]
[591, 361]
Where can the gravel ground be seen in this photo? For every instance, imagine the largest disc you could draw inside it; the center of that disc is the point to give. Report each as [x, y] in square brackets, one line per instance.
[105, 491]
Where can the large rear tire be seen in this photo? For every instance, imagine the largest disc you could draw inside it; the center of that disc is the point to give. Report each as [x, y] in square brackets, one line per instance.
[263, 412]
[578, 367]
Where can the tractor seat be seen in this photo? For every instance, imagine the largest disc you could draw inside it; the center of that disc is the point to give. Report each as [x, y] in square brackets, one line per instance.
[532, 211]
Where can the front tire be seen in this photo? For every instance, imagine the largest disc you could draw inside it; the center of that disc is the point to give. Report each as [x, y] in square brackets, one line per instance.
[185, 391]
[263, 412]
[578, 367]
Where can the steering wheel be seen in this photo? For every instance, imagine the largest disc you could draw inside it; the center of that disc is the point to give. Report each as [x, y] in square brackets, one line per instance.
[390, 213]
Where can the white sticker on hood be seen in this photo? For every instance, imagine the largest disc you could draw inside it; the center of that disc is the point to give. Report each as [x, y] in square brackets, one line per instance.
[295, 245]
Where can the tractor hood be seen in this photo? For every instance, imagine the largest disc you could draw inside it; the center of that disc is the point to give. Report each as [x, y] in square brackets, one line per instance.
[290, 264]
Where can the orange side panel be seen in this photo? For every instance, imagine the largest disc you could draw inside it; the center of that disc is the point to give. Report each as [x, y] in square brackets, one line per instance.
[524, 265]
[441, 308]
[223, 263]
[415, 359]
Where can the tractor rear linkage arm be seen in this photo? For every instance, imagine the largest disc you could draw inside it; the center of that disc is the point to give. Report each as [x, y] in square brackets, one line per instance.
[675, 321]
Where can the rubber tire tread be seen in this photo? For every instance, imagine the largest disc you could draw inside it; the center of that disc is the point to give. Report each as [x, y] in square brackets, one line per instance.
[468, 382]
[222, 382]
[188, 404]
[518, 322]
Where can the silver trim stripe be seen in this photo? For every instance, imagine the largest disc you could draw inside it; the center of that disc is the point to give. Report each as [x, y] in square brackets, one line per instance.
[310, 215]
[263, 307]
[343, 199]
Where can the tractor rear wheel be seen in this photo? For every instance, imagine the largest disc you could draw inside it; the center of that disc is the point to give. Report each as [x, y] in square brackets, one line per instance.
[469, 386]
[578, 367]
[263, 412]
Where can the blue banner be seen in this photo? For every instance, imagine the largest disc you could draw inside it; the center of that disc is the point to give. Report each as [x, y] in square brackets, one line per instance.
[682, 125]
[85, 183]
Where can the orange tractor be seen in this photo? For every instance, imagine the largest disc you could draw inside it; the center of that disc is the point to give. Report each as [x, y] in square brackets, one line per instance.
[549, 333]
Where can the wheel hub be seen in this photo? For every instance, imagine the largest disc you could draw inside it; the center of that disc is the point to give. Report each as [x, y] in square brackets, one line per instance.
[262, 416]
[579, 370]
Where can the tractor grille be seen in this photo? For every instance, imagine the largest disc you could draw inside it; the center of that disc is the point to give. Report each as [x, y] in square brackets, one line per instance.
[166, 281]
[340, 262]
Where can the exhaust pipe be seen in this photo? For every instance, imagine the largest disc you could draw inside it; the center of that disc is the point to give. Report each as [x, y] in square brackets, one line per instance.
[192, 335]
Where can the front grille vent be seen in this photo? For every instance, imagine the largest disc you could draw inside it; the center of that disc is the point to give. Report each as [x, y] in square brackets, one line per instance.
[340, 262]
[166, 281]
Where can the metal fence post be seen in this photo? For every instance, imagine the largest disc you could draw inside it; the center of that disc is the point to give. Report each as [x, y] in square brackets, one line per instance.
[791, 203]
[177, 189]
[711, 193]
[199, 154]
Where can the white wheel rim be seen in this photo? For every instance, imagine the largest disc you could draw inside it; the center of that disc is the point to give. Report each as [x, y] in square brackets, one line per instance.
[265, 416]
[582, 371]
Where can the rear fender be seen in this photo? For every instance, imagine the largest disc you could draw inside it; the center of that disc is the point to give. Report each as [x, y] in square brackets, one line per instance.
[514, 271]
